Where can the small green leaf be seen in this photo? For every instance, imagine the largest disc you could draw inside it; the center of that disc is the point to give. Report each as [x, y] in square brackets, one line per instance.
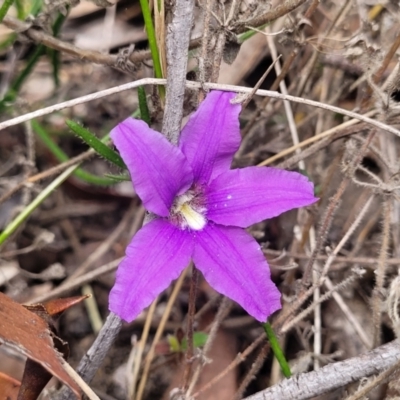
[276, 348]
[90, 139]
[199, 340]
[174, 344]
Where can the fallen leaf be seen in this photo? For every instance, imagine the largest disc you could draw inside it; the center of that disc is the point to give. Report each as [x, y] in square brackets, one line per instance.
[9, 387]
[29, 334]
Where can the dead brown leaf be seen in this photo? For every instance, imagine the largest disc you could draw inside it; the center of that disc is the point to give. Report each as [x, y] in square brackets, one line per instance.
[29, 334]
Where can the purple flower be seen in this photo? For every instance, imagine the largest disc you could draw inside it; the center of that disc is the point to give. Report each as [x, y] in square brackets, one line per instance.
[201, 208]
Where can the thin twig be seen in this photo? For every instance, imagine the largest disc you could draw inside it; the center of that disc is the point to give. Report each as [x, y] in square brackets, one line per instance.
[338, 259]
[160, 330]
[333, 376]
[286, 104]
[81, 280]
[300, 316]
[194, 85]
[380, 273]
[345, 238]
[82, 384]
[240, 357]
[332, 208]
[134, 373]
[223, 311]
[269, 16]
[360, 330]
[93, 359]
[255, 367]
[105, 246]
[190, 328]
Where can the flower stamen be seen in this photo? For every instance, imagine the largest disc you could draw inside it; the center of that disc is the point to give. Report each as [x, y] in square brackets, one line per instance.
[189, 213]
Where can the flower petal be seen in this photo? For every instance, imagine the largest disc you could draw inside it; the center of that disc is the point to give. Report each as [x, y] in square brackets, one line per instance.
[243, 197]
[157, 254]
[233, 264]
[212, 136]
[159, 170]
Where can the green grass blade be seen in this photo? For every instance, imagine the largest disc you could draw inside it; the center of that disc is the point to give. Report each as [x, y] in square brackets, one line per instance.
[4, 8]
[151, 36]
[54, 55]
[27, 211]
[277, 350]
[96, 144]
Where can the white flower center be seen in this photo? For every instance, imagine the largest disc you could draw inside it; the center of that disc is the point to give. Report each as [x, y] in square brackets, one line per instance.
[192, 216]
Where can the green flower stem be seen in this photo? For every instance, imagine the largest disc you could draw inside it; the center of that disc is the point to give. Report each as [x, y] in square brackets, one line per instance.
[62, 157]
[276, 348]
[4, 8]
[151, 35]
[27, 211]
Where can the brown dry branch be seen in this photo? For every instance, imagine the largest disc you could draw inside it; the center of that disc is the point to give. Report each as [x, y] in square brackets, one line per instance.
[39, 36]
[377, 295]
[253, 371]
[333, 376]
[277, 12]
